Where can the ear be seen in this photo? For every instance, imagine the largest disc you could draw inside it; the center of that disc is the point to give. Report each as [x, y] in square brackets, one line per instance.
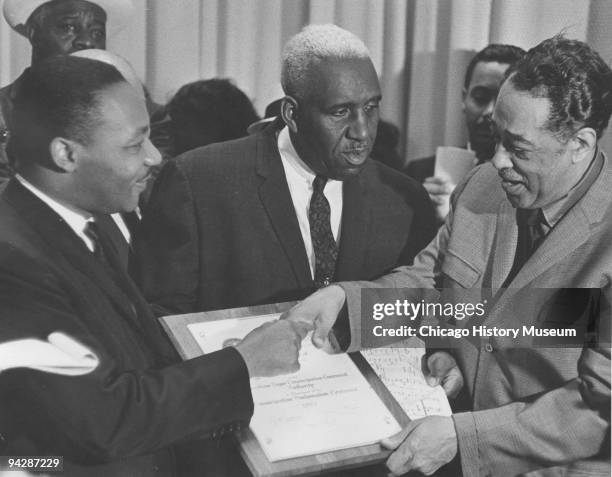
[29, 31]
[64, 153]
[289, 113]
[463, 96]
[584, 144]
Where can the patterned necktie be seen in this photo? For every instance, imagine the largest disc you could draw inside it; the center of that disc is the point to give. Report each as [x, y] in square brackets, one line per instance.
[323, 242]
[530, 236]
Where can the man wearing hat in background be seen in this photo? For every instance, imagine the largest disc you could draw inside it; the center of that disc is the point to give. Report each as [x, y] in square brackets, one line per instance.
[56, 27]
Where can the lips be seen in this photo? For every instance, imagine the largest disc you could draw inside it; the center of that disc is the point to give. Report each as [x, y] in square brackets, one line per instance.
[511, 183]
[356, 155]
[143, 181]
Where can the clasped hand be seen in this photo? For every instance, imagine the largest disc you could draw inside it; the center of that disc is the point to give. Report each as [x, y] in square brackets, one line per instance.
[319, 311]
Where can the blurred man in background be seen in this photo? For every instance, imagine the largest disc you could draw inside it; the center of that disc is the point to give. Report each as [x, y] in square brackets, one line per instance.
[483, 78]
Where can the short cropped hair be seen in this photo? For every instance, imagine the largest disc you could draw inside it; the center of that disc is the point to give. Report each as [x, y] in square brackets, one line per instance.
[58, 97]
[574, 78]
[314, 44]
[493, 53]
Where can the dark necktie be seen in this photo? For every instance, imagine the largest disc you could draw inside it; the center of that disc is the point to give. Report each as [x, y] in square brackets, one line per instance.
[530, 236]
[323, 242]
[93, 232]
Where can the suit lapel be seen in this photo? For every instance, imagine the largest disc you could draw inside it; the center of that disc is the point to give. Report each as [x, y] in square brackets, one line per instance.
[353, 232]
[276, 200]
[57, 236]
[571, 232]
[505, 244]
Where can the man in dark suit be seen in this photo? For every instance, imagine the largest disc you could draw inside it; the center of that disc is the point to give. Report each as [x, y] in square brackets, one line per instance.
[80, 140]
[270, 217]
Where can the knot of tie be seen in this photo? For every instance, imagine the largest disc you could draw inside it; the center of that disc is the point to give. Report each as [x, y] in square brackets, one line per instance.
[529, 217]
[323, 242]
[319, 184]
[93, 233]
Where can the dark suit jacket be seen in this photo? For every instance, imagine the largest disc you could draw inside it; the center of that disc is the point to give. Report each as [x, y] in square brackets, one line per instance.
[421, 169]
[123, 418]
[221, 231]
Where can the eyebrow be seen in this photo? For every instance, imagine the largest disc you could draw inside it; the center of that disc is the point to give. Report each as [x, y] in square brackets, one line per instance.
[143, 131]
[352, 103]
[76, 15]
[517, 138]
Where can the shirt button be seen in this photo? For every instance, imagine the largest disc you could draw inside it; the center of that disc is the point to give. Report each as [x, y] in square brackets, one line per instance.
[488, 348]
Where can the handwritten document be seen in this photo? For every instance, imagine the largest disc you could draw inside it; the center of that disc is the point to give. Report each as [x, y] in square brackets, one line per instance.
[327, 405]
[399, 368]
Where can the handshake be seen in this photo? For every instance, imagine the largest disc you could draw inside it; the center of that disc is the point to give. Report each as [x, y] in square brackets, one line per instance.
[274, 347]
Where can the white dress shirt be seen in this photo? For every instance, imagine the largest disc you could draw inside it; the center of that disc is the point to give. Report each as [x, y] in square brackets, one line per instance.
[300, 178]
[77, 221]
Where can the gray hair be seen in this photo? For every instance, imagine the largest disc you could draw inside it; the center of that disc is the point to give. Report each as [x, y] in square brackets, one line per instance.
[314, 44]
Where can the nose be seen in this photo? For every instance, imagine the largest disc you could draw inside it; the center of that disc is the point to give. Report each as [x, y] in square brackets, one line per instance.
[152, 155]
[84, 40]
[501, 159]
[358, 128]
[487, 112]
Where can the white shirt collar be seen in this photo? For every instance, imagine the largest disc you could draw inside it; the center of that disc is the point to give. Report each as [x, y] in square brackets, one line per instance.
[75, 220]
[290, 155]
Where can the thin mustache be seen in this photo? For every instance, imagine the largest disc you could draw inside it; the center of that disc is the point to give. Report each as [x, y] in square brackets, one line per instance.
[509, 175]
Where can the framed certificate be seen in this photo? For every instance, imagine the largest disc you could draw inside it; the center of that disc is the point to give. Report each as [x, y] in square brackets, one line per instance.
[329, 415]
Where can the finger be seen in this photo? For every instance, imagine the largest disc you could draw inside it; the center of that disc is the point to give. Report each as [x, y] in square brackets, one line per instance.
[295, 317]
[320, 334]
[302, 328]
[327, 344]
[453, 382]
[433, 381]
[395, 440]
[440, 363]
[438, 199]
[434, 180]
[435, 189]
[400, 461]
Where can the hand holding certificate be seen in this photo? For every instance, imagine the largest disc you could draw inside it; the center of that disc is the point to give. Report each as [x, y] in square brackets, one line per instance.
[335, 405]
[328, 401]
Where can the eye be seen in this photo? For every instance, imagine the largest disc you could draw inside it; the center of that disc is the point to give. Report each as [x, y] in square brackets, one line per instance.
[340, 112]
[67, 28]
[371, 107]
[136, 147]
[481, 97]
[516, 151]
[98, 34]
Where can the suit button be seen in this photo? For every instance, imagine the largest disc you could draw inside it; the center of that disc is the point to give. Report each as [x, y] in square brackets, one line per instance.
[488, 348]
